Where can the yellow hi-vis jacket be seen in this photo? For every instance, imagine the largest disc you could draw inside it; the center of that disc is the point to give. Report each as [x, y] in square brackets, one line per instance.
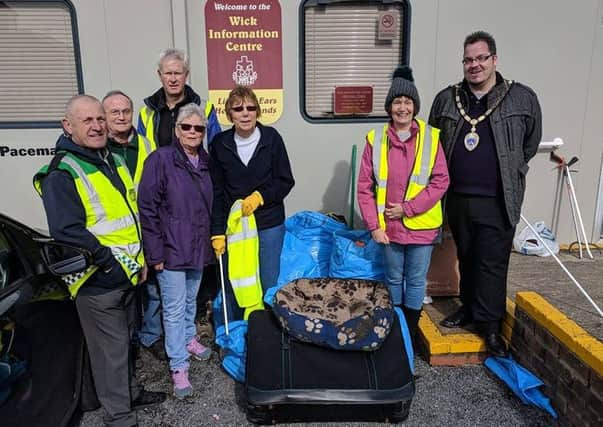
[426, 149]
[110, 217]
[145, 147]
[243, 248]
[150, 121]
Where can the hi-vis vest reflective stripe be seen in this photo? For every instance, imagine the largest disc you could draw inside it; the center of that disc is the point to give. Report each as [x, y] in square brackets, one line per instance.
[145, 147]
[243, 259]
[150, 121]
[425, 154]
[110, 217]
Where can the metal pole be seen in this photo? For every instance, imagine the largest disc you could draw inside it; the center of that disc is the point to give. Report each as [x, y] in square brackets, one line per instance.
[572, 278]
[223, 294]
[571, 184]
[573, 208]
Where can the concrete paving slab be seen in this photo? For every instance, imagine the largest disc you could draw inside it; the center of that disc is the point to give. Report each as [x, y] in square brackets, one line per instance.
[545, 276]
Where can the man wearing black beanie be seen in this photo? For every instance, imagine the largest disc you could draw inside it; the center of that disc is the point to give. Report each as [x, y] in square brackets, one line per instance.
[490, 129]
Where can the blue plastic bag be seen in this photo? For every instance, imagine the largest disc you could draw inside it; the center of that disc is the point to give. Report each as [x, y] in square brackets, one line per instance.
[522, 382]
[356, 255]
[306, 248]
[235, 348]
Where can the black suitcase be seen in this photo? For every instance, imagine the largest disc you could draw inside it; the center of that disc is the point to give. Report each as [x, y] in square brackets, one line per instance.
[288, 380]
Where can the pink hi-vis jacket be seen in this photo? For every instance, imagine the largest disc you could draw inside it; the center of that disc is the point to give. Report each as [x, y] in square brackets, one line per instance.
[401, 157]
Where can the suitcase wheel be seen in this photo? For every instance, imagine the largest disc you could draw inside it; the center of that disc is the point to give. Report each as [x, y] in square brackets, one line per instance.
[260, 415]
[400, 413]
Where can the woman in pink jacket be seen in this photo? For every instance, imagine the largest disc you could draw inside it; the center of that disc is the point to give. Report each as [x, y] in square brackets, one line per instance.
[403, 175]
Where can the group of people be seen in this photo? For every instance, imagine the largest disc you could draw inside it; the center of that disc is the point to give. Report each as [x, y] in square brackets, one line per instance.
[152, 205]
[468, 164]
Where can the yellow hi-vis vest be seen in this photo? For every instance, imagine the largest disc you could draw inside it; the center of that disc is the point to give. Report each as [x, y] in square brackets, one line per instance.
[145, 147]
[110, 216]
[426, 148]
[243, 248]
[150, 121]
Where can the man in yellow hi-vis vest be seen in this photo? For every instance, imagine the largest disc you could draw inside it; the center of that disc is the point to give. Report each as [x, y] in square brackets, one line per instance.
[124, 140]
[157, 118]
[90, 202]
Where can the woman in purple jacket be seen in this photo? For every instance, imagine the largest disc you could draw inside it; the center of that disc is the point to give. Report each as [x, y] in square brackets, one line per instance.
[412, 179]
[174, 200]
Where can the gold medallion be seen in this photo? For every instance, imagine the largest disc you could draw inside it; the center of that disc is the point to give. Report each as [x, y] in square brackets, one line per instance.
[472, 138]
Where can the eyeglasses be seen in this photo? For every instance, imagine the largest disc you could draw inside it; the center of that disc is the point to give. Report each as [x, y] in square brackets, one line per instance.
[480, 59]
[117, 113]
[187, 127]
[241, 108]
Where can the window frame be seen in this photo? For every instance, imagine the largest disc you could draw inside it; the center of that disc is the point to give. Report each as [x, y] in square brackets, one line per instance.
[12, 286]
[404, 54]
[51, 124]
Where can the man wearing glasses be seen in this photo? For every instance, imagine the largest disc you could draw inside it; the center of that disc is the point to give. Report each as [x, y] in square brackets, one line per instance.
[490, 129]
[124, 140]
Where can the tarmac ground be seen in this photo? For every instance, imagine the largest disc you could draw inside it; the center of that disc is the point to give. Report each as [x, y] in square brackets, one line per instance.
[452, 396]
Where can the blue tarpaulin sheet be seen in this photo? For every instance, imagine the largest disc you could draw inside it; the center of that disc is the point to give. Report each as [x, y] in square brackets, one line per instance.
[521, 381]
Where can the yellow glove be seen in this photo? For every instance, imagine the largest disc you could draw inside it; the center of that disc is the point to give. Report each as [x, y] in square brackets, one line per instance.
[251, 203]
[219, 244]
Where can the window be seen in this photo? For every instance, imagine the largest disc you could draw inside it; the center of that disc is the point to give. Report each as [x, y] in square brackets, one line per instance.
[345, 44]
[40, 68]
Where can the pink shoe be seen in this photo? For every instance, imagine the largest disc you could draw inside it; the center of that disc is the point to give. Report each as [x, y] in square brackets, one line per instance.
[198, 350]
[182, 386]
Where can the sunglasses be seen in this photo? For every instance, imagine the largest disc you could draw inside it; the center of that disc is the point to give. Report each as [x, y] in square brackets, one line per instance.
[241, 108]
[187, 127]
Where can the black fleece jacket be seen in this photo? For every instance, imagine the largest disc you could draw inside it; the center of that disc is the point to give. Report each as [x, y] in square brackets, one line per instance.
[268, 172]
[167, 117]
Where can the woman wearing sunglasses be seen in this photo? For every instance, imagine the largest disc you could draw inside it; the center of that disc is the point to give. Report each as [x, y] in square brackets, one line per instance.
[174, 199]
[250, 162]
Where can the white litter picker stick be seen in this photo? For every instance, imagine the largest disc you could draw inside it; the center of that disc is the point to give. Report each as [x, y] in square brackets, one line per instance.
[575, 200]
[223, 294]
[573, 279]
[566, 172]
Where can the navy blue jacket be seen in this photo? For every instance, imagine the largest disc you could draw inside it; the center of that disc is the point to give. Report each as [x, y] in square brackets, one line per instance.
[67, 218]
[174, 202]
[268, 172]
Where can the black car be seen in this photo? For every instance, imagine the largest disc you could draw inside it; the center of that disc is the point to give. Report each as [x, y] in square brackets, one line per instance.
[44, 377]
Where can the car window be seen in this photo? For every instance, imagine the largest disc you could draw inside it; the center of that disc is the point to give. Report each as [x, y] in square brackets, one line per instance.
[11, 268]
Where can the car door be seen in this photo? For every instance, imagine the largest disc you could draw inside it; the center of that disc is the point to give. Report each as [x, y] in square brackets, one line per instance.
[44, 339]
[24, 275]
[13, 270]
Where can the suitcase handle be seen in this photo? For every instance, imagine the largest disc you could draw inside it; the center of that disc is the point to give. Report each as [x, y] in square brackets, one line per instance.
[285, 360]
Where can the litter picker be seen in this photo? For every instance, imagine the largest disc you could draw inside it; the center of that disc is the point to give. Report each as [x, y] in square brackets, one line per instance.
[573, 200]
[352, 186]
[223, 294]
[572, 278]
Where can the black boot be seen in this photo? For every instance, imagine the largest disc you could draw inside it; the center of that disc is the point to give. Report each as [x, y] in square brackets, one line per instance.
[412, 320]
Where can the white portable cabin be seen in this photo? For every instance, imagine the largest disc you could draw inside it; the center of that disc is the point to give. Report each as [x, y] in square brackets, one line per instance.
[50, 50]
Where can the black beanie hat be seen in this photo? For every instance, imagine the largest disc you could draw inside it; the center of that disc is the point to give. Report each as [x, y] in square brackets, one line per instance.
[402, 85]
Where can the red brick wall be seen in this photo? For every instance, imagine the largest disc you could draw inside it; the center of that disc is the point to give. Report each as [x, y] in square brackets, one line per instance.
[575, 388]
